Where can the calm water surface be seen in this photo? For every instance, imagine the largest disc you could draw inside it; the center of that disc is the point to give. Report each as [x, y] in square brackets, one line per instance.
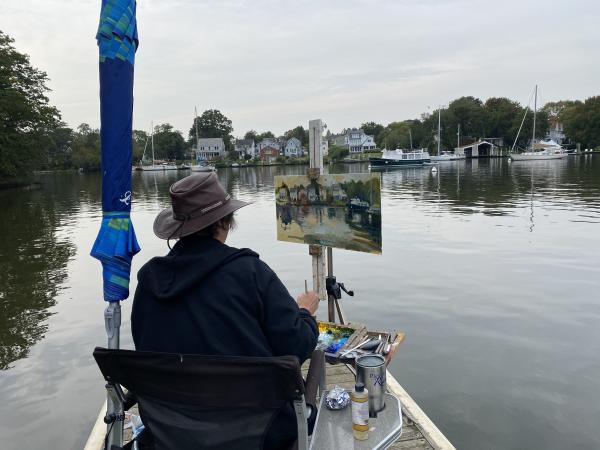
[492, 269]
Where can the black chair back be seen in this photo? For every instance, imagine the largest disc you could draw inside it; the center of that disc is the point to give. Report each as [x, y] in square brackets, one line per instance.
[204, 402]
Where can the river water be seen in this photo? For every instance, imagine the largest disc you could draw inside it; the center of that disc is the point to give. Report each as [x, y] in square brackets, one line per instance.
[492, 270]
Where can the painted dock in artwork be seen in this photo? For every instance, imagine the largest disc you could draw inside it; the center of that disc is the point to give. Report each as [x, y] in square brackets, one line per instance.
[418, 431]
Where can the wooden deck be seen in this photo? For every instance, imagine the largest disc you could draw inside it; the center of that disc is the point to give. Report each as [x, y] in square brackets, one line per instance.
[418, 431]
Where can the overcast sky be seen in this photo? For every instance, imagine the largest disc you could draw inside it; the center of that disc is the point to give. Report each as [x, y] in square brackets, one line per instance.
[272, 65]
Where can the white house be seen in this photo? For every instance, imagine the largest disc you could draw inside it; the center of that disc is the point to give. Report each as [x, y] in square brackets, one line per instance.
[245, 147]
[359, 142]
[210, 148]
[293, 148]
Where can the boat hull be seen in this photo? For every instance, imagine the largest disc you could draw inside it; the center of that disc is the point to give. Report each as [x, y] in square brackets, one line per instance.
[203, 169]
[446, 158]
[532, 157]
[156, 168]
[385, 162]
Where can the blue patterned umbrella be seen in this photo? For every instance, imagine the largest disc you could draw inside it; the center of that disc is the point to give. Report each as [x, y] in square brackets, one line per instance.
[116, 242]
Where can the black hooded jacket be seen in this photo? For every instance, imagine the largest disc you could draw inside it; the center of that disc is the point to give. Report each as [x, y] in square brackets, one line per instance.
[207, 298]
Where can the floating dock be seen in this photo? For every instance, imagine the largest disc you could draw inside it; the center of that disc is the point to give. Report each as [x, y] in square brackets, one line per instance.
[418, 431]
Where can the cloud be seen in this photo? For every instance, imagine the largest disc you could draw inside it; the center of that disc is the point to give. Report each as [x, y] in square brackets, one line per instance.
[274, 64]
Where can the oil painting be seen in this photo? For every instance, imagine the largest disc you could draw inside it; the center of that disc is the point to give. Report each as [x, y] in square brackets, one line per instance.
[341, 211]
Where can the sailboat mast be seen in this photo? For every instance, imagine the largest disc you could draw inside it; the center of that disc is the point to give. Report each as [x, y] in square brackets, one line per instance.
[410, 137]
[439, 130]
[152, 140]
[458, 138]
[534, 114]
[196, 125]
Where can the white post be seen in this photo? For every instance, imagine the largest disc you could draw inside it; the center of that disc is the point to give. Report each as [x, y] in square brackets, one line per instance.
[315, 137]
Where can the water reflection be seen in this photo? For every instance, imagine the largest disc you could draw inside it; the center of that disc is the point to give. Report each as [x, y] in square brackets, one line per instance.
[484, 355]
[33, 258]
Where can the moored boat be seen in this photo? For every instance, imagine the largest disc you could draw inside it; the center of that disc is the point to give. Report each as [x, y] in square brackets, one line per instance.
[203, 167]
[446, 156]
[399, 157]
[538, 150]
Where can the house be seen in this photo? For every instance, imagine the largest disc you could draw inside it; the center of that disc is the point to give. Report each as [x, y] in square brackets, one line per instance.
[337, 193]
[556, 131]
[338, 140]
[269, 142]
[293, 148]
[245, 147]
[359, 142]
[210, 148]
[268, 154]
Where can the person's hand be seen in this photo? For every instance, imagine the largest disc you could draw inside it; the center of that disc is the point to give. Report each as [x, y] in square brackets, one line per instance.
[309, 301]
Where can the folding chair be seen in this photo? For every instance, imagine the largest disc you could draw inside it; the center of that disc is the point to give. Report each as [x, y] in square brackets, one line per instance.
[211, 402]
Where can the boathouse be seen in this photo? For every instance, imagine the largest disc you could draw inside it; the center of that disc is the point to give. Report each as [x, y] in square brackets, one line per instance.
[477, 149]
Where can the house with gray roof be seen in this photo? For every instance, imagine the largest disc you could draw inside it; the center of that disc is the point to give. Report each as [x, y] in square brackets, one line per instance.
[293, 148]
[210, 148]
[245, 147]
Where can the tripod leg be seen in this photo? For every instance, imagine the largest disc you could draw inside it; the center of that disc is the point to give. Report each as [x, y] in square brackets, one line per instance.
[338, 306]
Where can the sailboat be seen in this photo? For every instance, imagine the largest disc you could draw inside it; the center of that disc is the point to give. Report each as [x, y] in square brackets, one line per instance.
[153, 167]
[443, 156]
[202, 165]
[544, 152]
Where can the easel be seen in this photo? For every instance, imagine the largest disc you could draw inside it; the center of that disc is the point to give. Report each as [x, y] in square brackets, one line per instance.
[324, 286]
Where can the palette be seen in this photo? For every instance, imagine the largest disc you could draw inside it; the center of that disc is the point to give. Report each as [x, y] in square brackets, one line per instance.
[334, 338]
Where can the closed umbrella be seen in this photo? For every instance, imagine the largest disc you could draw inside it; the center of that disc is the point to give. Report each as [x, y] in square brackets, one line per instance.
[116, 243]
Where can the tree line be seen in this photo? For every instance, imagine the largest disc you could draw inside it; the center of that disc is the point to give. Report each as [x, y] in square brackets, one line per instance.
[34, 137]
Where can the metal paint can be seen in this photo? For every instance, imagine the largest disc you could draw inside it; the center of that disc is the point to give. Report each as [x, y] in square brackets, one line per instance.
[371, 370]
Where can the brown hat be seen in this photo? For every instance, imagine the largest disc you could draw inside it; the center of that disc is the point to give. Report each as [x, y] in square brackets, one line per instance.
[197, 201]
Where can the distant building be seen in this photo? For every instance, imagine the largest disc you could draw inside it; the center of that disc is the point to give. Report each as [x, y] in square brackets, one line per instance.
[556, 130]
[497, 142]
[359, 142]
[245, 147]
[210, 148]
[293, 148]
[338, 139]
[268, 154]
[476, 150]
[324, 147]
[269, 142]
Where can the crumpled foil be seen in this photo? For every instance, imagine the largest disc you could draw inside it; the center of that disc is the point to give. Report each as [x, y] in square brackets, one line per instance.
[337, 398]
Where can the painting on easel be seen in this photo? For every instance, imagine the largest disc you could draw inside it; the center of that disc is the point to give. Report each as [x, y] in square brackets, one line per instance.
[341, 211]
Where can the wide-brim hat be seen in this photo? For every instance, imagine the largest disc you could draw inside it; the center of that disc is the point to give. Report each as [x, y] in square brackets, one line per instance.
[197, 201]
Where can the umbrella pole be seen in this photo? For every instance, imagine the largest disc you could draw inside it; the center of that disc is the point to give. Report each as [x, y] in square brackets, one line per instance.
[115, 415]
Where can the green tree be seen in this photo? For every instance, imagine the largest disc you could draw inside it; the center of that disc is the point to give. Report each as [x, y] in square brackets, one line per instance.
[264, 135]
[373, 129]
[582, 122]
[26, 116]
[503, 118]
[213, 124]
[299, 133]
[59, 149]
[86, 148]
[398, 135]
[251, 135]
[140, 140]
[337, 153]
[169, 143]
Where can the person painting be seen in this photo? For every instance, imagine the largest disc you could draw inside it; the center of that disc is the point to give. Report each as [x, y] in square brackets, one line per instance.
[207, 298]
